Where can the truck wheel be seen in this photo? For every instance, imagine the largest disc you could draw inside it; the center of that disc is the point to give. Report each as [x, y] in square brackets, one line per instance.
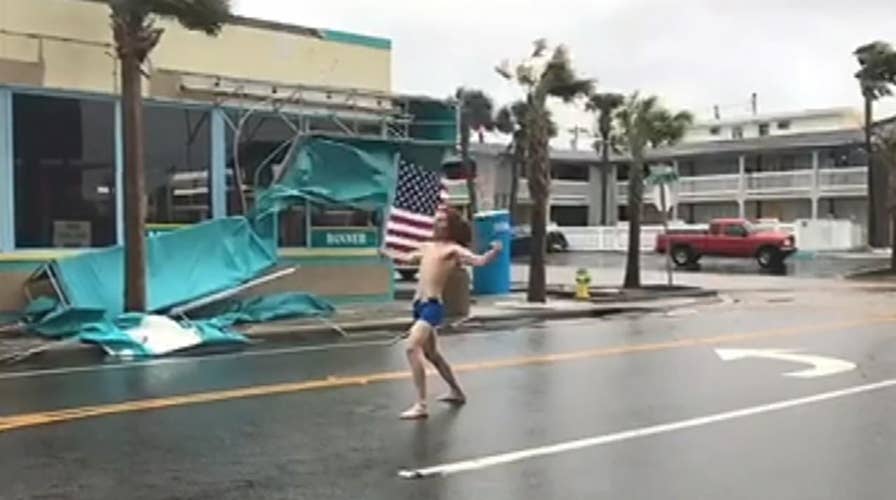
[682, 255]
[768, 257]
[407, 274]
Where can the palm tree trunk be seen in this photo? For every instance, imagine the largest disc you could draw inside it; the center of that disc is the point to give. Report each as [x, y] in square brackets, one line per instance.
[874, 237]
[891, 191]
[604, 179]
[468, 169]
[134, 206]
[539, 189]
[514, 179]
[635, 197]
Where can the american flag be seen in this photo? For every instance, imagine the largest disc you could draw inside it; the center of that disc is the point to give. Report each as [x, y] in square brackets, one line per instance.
[420, 197]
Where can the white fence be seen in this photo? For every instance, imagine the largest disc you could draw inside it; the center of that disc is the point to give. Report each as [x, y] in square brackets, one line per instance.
[811, 235]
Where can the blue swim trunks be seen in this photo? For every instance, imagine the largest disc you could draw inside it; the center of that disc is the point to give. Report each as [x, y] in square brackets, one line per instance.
[431, 311]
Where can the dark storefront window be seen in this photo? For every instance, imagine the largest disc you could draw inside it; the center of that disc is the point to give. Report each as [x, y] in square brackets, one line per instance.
[178, 164]
[264, 142]
[64, 153]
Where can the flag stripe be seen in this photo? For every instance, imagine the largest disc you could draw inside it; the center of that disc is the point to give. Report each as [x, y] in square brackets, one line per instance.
[414, 232]
[420, 198]
[405, 243]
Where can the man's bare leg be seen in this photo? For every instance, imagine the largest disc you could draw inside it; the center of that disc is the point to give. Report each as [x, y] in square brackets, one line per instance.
[415, 351]
[456, 395]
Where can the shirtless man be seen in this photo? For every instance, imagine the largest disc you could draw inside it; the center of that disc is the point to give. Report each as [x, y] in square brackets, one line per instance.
[436, 260]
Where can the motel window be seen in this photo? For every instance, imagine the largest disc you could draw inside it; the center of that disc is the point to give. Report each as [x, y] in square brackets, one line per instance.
[177, 164]
[763, 129]
[784, 125]
[570, 216]
[737, 132]
[715, 130]
[64, 168]
[570, 171]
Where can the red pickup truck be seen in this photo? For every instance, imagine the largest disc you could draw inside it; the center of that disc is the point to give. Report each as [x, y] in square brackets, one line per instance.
[728, 238]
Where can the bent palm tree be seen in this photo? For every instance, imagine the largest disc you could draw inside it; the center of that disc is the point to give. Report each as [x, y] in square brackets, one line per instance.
[510, 120]
[476, 113]
[554, 78]
[605, 105]
[886, 145]
[877, 72]
[643, 123]
[136, 35]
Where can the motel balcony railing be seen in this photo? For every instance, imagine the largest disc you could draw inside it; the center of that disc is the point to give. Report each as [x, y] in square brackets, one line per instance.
[794, 184]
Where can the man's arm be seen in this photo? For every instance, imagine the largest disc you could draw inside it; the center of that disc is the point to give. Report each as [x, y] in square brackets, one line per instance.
[472, 259]
[412, 257]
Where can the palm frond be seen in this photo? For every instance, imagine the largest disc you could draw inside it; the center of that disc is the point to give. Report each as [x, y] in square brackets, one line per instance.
[604, 102]
[540, 46]
[477, 108]
[644, 122]
[560, 80]
[207, 16]
[877, 69]
[504, 69]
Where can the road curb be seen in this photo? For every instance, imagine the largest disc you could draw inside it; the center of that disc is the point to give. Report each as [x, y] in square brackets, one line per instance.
[632, 305]
[311, 332]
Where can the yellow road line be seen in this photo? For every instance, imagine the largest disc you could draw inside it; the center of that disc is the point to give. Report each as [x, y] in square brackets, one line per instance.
[57, 416]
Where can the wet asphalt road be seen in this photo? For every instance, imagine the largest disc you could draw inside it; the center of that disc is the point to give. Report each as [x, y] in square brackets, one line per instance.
[319, 422]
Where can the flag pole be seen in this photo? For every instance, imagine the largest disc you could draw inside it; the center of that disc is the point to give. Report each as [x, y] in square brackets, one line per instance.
[665, 209]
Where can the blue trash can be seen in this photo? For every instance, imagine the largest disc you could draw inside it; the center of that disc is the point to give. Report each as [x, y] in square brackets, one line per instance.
[493, 279]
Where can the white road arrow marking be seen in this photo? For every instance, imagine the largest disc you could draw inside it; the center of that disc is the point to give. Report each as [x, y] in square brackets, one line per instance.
[640, 433]
[821, 366]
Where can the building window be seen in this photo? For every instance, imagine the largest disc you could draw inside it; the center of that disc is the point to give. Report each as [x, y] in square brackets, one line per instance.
[178, 164]
[763, 129]
[570, 172]
[784, 125]
[570, 216]
[715, 130]
[64, 168]
[737, 132]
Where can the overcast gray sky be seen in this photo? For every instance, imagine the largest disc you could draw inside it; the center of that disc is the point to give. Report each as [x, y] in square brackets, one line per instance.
[693, 53]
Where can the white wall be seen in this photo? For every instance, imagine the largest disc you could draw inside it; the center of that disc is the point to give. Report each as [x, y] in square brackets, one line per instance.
[811, 235]
[835, 120]
[785, 210]
[704, 212]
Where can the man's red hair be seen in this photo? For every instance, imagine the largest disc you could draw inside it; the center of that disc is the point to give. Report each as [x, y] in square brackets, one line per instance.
[456, 228]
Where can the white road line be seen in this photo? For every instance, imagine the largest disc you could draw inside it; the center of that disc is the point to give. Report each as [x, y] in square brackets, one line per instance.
[387, 342]
[518, 456]
[177, 361]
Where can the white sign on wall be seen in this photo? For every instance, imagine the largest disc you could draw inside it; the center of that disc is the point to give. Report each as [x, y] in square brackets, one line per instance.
[71, 234]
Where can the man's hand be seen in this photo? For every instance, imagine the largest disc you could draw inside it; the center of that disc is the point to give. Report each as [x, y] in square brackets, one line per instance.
[497, 246]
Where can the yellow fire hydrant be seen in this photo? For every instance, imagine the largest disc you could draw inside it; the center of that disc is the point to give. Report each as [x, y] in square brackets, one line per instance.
[583, 284]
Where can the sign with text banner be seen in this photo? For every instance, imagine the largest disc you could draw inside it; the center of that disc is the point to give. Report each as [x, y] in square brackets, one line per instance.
[344, 237]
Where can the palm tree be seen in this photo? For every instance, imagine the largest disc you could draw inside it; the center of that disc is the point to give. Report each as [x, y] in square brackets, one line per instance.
[476, 110]
[136, 35]
[510, 120]
[605, 105]
[542, 76]
[877, 72]
[643, 123]
[885, 140]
